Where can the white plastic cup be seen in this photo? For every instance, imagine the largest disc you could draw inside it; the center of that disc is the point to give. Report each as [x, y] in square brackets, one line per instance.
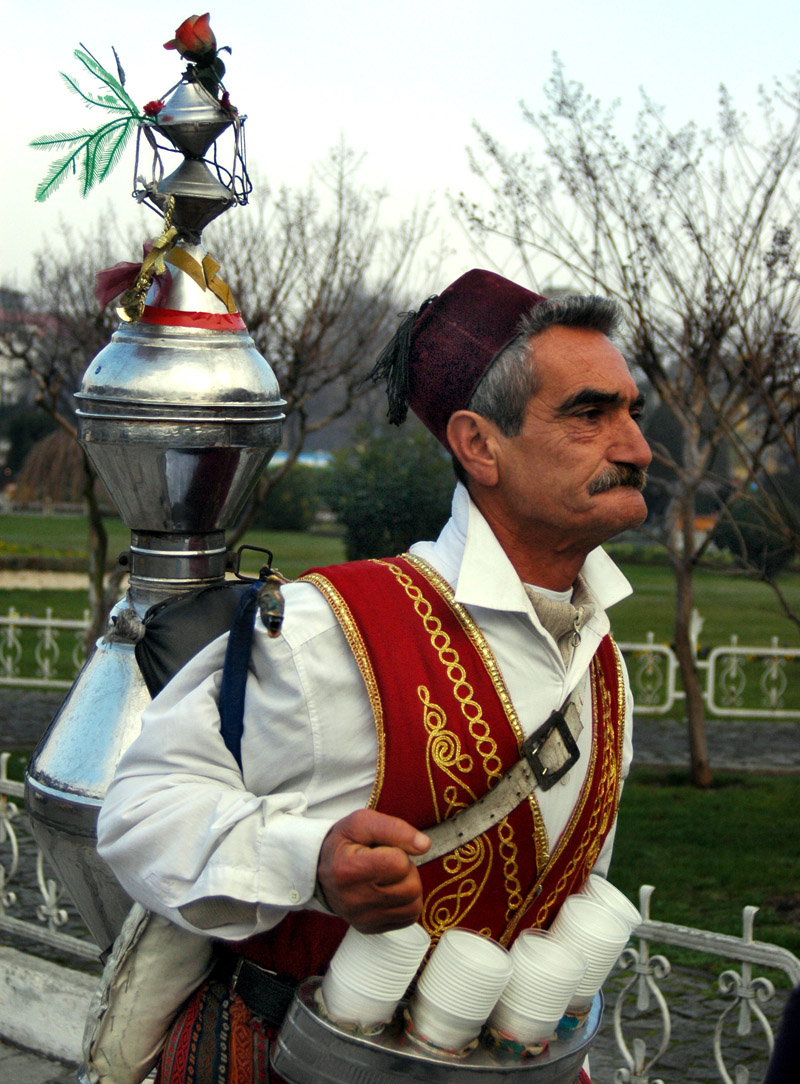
[352, 1007]
[521, 1026]
[598, 932]
[546, 971]
[458, 989]
[602, 891]
[545, 977]
[445, 1027]
[369, 974]
[468, 967]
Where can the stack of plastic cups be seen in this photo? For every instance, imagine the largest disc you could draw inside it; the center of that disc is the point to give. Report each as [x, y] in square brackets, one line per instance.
[370, 973]
[545, 977]
[457, 991]
[600, 934]
[602, 891]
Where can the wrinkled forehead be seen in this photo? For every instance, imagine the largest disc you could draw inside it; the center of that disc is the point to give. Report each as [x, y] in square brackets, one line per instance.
[567, 361]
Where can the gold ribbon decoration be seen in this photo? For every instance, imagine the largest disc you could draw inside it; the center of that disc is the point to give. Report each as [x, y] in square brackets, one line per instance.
[204, 274]
[133, 301]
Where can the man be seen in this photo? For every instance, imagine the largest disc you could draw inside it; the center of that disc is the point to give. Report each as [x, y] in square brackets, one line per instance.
[400, 691]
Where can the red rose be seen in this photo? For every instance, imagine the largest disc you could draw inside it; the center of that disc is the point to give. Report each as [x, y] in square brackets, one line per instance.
[152, 109]
[194, 39]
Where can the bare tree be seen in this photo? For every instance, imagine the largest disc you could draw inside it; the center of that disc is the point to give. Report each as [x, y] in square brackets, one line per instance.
[695, 233]
[317, 275]
[54, 341]
[319, 279]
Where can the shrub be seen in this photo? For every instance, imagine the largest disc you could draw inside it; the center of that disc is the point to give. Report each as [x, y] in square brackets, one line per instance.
[292, 504]
[391, 488]
[750, 530]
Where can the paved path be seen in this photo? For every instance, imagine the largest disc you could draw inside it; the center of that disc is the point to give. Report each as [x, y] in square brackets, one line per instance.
[733, 744]
[22, 1067]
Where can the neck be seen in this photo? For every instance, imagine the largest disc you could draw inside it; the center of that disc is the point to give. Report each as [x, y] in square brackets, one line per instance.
[543, 559]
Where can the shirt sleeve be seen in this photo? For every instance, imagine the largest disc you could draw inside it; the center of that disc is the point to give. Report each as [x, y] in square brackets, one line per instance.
[180, 822]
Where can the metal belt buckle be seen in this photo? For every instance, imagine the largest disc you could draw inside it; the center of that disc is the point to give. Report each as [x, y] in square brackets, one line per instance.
[531, 747]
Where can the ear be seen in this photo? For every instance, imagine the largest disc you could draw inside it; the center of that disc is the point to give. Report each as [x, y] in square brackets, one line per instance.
[472, 440]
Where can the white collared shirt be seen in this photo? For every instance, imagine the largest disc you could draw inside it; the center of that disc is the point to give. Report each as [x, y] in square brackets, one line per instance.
[179, 823]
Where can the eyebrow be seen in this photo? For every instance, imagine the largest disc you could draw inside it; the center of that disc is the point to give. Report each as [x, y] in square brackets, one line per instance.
[595, 397]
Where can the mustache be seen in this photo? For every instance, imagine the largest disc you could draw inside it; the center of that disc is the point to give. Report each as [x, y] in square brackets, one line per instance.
[622, 475]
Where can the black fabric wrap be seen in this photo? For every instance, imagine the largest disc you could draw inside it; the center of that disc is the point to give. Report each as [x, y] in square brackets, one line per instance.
[180, 626]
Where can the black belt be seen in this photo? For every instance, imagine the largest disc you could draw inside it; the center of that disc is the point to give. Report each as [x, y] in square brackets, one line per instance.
[265, 993]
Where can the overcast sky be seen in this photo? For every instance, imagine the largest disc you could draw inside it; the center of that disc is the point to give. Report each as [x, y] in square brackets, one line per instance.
[401, 82]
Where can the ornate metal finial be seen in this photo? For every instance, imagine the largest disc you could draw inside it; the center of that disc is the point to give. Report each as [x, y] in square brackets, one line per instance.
[189, 118]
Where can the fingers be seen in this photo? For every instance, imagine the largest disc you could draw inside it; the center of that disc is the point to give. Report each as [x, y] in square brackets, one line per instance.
[370, 828]
[366, 874]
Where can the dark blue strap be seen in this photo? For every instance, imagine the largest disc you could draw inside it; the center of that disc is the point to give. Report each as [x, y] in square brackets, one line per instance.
[234, 672]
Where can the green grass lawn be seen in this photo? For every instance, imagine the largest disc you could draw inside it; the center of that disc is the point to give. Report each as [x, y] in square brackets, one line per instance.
[729, 604]
[711, 852]
[66, 536]
[59, 536]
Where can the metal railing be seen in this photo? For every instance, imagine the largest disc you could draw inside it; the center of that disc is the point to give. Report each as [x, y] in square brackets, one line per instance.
[26, 886]
[739, 1024]
[740, 681]
[742, 1031]
[41, 652]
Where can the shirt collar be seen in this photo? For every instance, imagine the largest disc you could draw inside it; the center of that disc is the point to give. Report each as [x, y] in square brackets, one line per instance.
[482, 575]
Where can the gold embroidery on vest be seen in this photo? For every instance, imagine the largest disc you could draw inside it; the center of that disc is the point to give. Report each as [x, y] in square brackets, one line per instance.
[444, 751]
[478, 641]
[457, 675]
[477, 725]
[468, 870]
[353, 635]
[509, 852]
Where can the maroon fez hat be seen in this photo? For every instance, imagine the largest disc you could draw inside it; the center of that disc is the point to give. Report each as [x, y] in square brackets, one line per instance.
[438, 355]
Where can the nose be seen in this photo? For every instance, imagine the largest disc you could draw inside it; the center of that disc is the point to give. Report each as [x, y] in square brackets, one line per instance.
[630, 445]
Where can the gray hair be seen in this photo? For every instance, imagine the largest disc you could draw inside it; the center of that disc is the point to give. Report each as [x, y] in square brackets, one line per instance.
[504, 390]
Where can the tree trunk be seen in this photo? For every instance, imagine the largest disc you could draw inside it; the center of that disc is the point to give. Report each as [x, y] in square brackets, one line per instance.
[695, 706]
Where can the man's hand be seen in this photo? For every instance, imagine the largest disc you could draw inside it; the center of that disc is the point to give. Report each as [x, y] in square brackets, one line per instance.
[366, 874]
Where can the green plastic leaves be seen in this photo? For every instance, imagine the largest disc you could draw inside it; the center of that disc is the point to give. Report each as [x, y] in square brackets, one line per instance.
[91, 153]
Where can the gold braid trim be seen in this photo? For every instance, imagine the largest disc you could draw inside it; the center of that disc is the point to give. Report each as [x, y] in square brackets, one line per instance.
[472, 712]
[589, 846]
[476, 637]
[353, 635]
[132, 302]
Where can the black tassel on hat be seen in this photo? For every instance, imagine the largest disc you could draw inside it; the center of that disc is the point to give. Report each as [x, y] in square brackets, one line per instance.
[439, 354]
[393, 366]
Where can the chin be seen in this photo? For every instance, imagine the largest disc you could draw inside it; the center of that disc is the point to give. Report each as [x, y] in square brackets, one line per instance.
[631, 513]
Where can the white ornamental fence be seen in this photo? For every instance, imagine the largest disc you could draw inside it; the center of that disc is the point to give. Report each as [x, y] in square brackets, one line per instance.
[647, 1013]
[41, 652]
[739, 680]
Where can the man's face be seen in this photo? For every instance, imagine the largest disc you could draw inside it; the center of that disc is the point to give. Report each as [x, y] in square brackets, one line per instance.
[559, 478]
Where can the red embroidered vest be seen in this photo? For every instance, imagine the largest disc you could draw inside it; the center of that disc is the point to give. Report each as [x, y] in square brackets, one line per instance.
[447, 732]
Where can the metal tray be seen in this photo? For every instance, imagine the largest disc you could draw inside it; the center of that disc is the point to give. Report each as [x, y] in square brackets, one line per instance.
[311, 1050]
